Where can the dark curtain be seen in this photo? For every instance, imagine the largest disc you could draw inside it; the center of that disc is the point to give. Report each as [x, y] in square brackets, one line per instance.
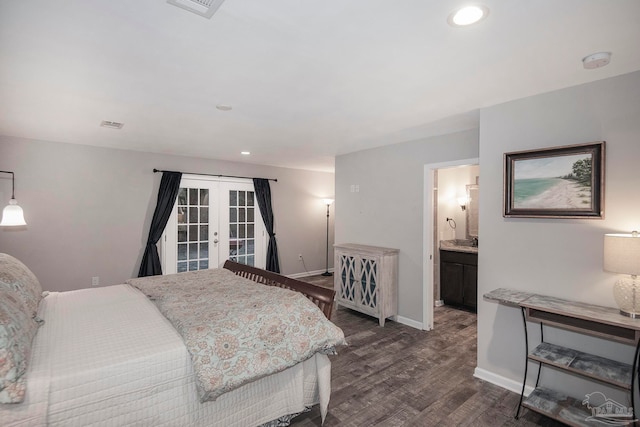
[263, 196]
[167, 194]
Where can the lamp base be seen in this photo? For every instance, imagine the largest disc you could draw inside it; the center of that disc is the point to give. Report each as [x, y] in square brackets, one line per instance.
[630, 314]
[626, 292]
[327, 273]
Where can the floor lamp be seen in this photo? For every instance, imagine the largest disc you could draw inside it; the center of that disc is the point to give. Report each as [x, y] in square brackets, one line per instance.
[326, 272]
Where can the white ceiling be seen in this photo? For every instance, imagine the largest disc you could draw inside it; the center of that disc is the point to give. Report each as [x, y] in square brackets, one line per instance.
[308, 80]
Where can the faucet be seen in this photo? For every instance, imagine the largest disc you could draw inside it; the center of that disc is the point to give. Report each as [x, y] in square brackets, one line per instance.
[474, 242]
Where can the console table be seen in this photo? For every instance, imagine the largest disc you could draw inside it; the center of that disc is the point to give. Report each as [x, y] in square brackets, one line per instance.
[588, 319]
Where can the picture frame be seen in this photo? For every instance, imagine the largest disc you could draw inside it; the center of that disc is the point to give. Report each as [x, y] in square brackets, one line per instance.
[556, 182]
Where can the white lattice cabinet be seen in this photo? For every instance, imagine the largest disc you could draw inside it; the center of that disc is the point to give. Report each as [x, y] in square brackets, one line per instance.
[366, 279]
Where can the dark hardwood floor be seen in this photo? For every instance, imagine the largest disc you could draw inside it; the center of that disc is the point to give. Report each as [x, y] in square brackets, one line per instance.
[401, 376]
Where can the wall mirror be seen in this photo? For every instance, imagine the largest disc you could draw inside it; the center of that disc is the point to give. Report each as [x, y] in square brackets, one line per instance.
[473, 191]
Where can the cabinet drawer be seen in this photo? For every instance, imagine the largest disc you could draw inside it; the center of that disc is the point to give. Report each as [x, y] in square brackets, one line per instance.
[459, 257]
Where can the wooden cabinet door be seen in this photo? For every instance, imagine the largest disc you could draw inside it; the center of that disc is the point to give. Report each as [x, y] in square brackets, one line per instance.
[368, 274]
[348, 278]
[451, 279]
[470, 286]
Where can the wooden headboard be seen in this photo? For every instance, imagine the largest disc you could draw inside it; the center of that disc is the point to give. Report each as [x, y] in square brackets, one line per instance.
[320, 296]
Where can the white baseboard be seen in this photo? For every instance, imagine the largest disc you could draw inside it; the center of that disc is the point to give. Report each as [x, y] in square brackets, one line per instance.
[438, 303]
[308, 273]
[408, 322]
[501, 381]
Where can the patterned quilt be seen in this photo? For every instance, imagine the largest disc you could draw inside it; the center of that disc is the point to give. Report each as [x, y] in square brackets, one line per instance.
[236, 330]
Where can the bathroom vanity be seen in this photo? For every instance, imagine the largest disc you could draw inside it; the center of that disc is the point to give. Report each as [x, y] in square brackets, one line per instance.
[459, 273]
[458, 259]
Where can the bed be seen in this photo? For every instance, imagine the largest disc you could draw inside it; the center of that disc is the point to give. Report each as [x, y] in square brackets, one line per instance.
[108, 356]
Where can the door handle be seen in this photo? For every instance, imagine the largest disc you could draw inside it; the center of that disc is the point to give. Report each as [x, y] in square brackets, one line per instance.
[215, 241]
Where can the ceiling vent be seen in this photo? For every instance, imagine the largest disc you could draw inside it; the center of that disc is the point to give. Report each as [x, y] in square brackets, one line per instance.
[204, 8]
[111, 125]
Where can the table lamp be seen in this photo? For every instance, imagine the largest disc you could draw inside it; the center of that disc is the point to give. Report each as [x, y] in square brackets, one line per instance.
[622, 256]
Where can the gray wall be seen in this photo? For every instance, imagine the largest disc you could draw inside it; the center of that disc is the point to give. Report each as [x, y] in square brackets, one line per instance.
[88, 209]
[559, 257]
[388, 209]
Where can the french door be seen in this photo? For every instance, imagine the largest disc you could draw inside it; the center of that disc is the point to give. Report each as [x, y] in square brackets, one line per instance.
[213, 220]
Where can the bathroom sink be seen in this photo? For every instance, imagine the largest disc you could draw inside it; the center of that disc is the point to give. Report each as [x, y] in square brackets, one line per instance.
[460, 245]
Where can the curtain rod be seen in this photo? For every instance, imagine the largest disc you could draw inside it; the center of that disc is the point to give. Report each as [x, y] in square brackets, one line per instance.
[219, 176]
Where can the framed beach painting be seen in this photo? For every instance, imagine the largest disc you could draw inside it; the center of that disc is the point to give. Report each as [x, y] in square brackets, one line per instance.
[558, 182]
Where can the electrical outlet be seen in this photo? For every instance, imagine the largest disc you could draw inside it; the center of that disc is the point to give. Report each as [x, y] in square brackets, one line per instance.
[95, 281]
[299, 257]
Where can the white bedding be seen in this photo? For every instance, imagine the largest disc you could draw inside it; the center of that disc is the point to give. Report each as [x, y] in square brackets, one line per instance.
[106, 356]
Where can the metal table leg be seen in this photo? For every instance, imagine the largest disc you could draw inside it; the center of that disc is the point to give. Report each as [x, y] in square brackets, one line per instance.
[526, 361]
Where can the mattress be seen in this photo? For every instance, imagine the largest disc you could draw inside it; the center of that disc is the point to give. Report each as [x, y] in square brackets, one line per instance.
[106, 356]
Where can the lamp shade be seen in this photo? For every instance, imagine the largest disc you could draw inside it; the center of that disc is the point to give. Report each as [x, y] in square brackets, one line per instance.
[12, 215]
[622, 253]
[327, 201]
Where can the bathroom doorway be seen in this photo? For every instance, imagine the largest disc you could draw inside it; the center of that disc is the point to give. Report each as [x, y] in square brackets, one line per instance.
[451, 217]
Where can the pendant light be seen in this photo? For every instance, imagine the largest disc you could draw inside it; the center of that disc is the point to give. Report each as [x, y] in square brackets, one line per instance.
[12, 214]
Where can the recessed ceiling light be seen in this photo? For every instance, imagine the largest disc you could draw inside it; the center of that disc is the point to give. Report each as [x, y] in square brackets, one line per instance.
[245, 153]
[223, 107]
[468, 15]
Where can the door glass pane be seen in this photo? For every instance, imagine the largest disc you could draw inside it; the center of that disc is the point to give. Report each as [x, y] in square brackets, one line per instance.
[193, 229]
[193, 196]
[193, 215]
[182, 196]
[193, 251]
[182, 251]
[193, 233]
[204, 197]
[241, 227]
[182, 233]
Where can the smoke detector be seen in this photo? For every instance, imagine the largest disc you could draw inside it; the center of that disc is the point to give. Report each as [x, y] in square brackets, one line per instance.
[596, 60]
[204, 8]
